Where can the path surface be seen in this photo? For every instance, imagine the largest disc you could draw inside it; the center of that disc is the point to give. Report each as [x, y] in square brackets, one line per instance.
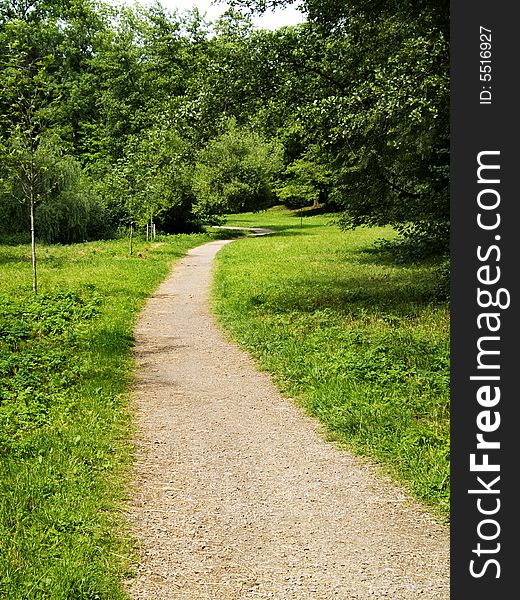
[238, 496]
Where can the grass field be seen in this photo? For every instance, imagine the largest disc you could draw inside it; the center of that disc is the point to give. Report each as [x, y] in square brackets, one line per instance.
[360, 341]
[65, 366]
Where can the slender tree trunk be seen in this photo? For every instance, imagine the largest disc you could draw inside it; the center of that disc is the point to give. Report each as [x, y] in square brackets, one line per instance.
[131, 240]
[33, 244]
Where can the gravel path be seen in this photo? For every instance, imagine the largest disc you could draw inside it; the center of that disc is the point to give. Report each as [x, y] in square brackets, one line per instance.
[238, 496]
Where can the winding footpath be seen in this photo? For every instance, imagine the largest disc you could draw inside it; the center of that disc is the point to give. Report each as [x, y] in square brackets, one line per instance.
[237, 495]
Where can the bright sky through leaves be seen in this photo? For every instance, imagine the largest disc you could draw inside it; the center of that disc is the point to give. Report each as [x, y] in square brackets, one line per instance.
[288, 16]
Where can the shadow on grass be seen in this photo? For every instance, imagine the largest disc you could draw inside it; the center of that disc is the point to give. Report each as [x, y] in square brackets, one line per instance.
[312, 211]
[296, 229]
[7, 258]
[14, 239]
[392, 295]
[299, 221]
[230, 234]
[378, 254]
[42, 259]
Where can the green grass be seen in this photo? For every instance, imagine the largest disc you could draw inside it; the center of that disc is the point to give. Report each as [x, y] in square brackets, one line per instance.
[65, 424]
[360, 342]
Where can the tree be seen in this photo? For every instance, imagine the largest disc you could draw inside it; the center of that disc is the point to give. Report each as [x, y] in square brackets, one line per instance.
[369, 82]
[29, 94]
[235, 172]
[155, 172]
[38, 172]
[305, 182]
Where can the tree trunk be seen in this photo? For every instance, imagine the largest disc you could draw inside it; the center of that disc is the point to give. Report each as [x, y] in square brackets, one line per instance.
[33, 245]
[131, 240]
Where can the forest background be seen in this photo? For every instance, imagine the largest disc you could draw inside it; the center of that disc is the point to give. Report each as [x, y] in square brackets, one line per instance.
[114, 117]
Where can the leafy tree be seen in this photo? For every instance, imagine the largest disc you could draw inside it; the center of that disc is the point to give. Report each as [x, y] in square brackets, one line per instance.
[369, 85]
[34, 131]
[74, 213]
[155, 173]
[304, 182]
[235, 172]
[28, 93]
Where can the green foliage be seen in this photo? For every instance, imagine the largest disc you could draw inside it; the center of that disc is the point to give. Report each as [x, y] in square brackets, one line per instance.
[36, 337]
[155, 172]
[37, 170]
[358, 97]
[76, 215]
[396, 126]
[360, 342]
[305, 181]
[67, 210]
[367, 85]
[235, 172]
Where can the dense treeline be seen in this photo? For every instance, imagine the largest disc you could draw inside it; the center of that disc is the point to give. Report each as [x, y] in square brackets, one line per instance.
[111, 117]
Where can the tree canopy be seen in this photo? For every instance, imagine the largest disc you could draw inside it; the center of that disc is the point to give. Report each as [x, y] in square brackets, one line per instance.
[142, 113]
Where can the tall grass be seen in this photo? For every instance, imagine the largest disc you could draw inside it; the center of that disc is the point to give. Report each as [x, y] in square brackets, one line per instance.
[361, 342]
[65, 366]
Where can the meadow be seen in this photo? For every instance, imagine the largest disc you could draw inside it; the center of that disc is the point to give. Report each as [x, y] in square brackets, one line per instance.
[358, 338]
